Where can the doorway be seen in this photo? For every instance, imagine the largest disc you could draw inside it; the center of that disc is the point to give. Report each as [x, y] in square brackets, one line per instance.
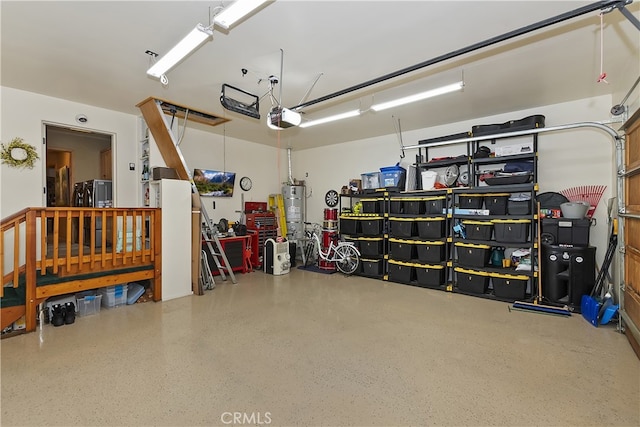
[74, 157]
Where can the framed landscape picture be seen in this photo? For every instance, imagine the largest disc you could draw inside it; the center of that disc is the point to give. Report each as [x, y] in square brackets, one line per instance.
[214, 183]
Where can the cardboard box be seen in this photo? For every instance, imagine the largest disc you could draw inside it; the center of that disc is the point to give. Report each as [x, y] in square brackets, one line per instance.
[510, 150]
[158, 173]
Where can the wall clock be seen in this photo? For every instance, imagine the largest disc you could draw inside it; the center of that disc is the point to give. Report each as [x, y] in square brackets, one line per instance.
[245, 183]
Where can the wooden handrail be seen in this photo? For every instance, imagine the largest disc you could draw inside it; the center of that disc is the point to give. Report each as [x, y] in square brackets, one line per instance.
[54, 240]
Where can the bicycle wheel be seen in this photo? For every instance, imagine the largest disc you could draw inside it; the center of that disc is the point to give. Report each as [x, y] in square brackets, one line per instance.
[347, 259]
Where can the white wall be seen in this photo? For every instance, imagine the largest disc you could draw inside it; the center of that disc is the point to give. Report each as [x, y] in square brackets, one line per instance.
[566, 159]
[23, 114]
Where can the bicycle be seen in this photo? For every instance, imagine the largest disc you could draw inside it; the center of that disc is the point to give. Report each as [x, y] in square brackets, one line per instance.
[344, 254]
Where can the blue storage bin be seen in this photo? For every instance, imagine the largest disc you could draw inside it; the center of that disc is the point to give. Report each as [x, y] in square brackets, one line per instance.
[393, 176]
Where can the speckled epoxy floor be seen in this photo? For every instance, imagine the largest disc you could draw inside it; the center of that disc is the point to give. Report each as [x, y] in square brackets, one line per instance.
[313, 349]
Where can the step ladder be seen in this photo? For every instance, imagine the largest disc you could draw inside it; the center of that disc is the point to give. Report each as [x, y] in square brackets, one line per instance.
[276, 204]
[153, 110]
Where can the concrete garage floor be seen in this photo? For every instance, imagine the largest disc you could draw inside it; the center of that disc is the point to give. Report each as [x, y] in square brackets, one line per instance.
[315, 349]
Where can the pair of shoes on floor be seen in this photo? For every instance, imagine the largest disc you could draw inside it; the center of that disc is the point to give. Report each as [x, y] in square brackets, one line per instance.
[63, 314]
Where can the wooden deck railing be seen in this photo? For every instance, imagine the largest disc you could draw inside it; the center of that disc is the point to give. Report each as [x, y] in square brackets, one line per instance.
[74, 241]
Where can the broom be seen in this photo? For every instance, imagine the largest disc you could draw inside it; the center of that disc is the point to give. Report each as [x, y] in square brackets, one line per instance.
[537, 305]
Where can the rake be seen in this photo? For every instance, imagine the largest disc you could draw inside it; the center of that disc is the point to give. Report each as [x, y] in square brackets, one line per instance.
[585, 193]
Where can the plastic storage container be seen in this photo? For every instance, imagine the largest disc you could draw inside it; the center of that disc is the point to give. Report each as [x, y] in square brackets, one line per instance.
[428, 251]
[478, 230]
[566, 231]
[113, 296]
[429, 275]
[470, 201]
[511, 230]
[509, 286]
[473, 255]
[371, 226]
[434, 205]
[396, 205]
[519, 207]
[393, 177]
[472, 281]
[88, 303]
[370, 206]
[496, 203]
[401, 271]
[401, 227]
[414, 206]
[400, 249]
[431, 227]
[349, 225]
[370, 181]
[371, 267]
[371, 246]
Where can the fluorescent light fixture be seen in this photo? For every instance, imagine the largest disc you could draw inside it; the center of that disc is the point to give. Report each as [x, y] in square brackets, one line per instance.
[418, 96]
[236, 12]
[333, 118]
[196, 38]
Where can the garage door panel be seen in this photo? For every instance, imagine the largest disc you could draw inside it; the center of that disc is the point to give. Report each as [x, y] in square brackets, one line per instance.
[632, 267]
[632, 233]
[633, 194]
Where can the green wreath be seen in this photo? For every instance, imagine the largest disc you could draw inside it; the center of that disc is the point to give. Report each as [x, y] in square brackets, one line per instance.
[19, 154]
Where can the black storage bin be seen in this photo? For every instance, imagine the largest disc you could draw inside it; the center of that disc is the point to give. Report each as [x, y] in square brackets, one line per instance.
[370, 206]
[472, 281]
[371, 246]
[372, 226]
[434, 205]
[349, 225]
[496, 203]
[509, 286]
[519, 207]
[350, 239]
[400, 271]
[431, 227]
[414, 206]
[429, 275]
[401, 227]
[470, 201]
[530, 122]
[511, 230]
[566, 231]
[401, 249]
[473, 255]
[396, 206]
[430, 251]
[371, 267]
[478, 230]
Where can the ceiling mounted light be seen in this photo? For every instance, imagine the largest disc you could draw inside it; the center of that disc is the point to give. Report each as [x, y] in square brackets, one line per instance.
[236, 12]
[333, 118]
[192, 41]
[418, 96]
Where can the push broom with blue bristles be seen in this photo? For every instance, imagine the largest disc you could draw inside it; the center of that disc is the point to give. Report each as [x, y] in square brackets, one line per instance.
[537, 304]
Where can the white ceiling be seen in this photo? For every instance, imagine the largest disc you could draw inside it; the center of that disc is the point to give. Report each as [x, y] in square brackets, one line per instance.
[93, 52]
